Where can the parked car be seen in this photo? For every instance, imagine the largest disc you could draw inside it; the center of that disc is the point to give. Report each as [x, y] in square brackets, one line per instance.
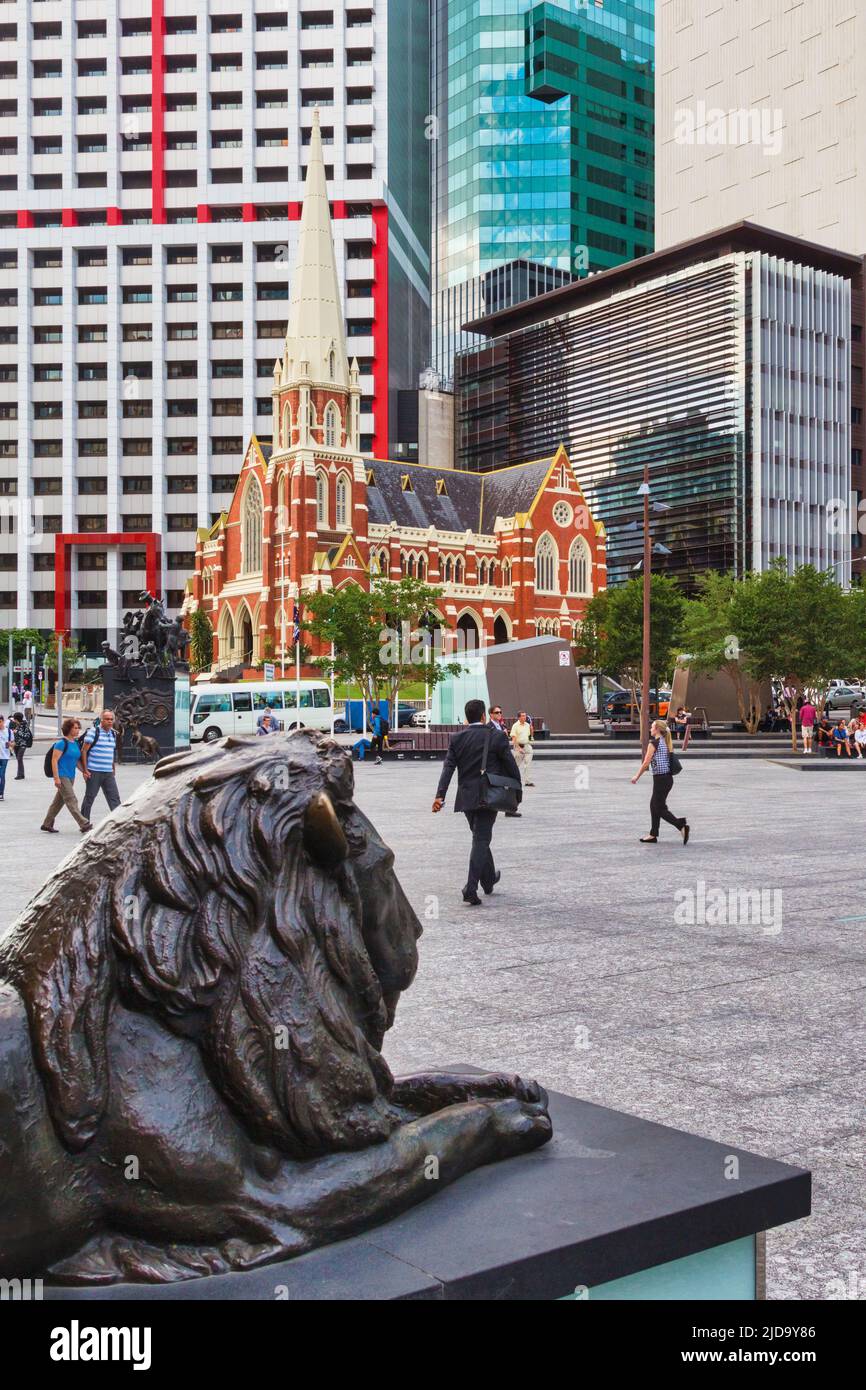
[851, 697]
[618, 706]
[421, 718]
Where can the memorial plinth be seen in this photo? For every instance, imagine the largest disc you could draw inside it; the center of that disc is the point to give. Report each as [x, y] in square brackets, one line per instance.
[614, 1207]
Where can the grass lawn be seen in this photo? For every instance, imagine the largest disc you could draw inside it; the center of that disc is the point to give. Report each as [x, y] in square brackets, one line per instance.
[413, 691]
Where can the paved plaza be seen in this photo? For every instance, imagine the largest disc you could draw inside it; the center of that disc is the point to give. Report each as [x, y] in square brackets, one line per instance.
[594, 967]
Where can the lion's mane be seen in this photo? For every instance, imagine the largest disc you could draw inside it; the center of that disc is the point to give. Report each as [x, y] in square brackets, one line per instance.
[201, 902]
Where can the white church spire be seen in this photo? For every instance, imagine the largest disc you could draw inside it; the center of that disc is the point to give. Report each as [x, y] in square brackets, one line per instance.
[316, 334]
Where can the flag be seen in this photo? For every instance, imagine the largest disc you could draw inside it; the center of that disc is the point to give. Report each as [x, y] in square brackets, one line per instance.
[296, 625]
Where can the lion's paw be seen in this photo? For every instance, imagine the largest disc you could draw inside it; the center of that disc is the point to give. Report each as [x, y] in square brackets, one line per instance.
[520, 1125]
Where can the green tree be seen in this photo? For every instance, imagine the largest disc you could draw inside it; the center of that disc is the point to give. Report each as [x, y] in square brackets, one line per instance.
[613, 629]
[713, 645]
[73, 654]
[22, 639]
[382, 639]
[794, 628]
[201, 641]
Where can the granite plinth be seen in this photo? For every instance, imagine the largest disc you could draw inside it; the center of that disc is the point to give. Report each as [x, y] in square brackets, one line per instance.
[609, 1196]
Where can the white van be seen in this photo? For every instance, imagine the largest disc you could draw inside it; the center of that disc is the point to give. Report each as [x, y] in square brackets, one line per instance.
[218, 710]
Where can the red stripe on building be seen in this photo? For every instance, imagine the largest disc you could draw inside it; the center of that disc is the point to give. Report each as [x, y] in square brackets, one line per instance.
[157, 118]
[25, 218]
[69, 218]
[380, 332]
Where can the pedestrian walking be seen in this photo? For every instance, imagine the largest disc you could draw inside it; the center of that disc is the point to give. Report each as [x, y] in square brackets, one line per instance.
[99, 764]
[6, 743]
[65, 760]
[267, 724]
[661, 759]
[521, 742]
[381, 730]
[16, 693]
[481, 756]
[808, 720]
[29, 707]
[22, 739]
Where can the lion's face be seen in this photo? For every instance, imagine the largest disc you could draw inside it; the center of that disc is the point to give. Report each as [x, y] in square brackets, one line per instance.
[243, 899]
[390, 926]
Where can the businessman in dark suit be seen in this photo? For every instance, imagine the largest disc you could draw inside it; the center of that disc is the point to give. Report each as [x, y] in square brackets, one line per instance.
[465, 755]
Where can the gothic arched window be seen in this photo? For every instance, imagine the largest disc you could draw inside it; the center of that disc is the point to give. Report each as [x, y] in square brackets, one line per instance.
[579, 566]
[332, 426]
[252, 512]
[546, 565]
[343, 495]
[321, 498]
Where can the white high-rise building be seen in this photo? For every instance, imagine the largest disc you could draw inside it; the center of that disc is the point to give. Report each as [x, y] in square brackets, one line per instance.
[152, 155]
[761, 116]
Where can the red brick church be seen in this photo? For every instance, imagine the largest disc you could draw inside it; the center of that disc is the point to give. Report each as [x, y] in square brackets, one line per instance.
[515, 552]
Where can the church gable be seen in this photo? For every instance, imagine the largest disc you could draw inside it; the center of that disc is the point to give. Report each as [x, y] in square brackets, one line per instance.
[254, 462]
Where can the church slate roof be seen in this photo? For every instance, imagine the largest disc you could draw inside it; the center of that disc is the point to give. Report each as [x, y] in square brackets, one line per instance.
[470, 502]
[511, 490]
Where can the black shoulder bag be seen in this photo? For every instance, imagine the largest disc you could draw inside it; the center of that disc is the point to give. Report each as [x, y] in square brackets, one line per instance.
[497, 793]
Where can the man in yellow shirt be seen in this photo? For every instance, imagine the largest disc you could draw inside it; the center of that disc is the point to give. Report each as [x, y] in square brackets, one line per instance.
[521, 742]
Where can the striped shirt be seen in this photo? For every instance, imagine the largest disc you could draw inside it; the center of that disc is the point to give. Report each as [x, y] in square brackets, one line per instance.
[661, 762]
[100, 758]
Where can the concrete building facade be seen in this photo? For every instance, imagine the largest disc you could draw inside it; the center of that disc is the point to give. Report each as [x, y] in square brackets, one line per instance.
[724, 364]
[152, 158]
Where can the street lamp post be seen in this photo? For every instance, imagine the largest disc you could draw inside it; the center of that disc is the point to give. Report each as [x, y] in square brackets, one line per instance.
[646, 564]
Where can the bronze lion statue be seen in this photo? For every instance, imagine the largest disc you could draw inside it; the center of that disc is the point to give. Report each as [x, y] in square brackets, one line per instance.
[191, 1016]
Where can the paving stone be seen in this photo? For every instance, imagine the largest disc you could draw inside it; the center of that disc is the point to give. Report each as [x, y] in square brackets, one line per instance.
[750, 1039]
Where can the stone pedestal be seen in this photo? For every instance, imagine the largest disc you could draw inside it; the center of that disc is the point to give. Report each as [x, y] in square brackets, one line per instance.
[158, 705]
[612, 1208]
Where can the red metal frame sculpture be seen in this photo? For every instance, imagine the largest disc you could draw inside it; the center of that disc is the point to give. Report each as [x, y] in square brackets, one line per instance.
[64, 544]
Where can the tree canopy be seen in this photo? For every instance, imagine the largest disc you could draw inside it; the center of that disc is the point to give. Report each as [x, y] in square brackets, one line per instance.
[382, 639]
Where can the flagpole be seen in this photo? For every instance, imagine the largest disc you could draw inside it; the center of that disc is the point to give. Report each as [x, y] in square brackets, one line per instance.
[297, 636]
[283, 596]
[332, 690]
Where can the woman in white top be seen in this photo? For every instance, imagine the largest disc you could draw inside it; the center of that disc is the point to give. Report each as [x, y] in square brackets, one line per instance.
[5, 752]
[658, 757]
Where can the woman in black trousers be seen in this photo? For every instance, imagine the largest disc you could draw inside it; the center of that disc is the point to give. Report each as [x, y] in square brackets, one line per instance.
[20, 736]
[658, 758]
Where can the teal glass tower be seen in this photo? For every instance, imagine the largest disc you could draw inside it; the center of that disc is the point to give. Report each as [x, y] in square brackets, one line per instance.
[542, 144]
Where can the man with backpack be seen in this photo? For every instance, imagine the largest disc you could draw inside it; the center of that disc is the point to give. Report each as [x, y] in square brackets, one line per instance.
[99, 763]
[61, 763]
[381, 730]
